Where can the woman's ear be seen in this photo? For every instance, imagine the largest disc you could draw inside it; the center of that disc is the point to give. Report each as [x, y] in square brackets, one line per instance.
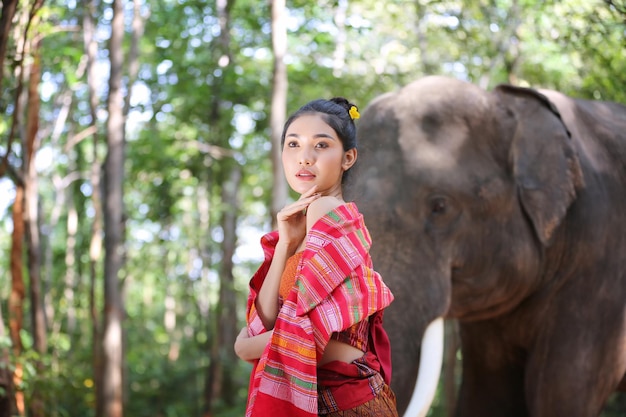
[349, 158]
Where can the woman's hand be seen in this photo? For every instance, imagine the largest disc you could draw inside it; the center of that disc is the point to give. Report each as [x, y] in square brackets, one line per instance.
[250, 348]
[291, 232]
[291, 220]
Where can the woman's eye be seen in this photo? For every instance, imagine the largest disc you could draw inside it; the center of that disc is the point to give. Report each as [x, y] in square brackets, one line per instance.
[322, 145]
[292, 144]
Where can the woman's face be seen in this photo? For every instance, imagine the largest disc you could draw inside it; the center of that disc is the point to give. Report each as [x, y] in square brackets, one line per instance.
[313, 155]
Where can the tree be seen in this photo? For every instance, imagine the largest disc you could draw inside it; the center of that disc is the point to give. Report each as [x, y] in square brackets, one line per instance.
[25, 207]
[219, 380]
[95, 245]
[6, 19]
[113, 359]
[31, 211]
[278, 103]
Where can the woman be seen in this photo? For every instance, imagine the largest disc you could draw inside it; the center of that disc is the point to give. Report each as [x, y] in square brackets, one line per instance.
[315, 308]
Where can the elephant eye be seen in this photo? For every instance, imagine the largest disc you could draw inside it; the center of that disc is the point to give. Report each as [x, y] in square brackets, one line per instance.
[438, 205]
[443, 212]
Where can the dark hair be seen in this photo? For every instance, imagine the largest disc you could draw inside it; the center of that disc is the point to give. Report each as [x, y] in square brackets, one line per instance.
[335, 112]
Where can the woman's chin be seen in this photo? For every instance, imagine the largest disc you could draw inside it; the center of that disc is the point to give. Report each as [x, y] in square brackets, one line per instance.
[302, 187]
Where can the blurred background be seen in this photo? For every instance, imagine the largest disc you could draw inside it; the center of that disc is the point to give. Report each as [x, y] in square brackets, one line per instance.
[138, 169]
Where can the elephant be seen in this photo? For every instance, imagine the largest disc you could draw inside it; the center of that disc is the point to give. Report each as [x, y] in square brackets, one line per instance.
[504, 210]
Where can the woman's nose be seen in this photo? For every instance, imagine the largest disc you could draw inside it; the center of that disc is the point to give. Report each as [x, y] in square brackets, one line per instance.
[306, 158]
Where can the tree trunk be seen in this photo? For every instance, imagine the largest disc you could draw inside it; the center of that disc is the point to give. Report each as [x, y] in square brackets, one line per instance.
[112, 384]
[31, 219]
[279, 104]
[95, 245]
[6, 19]
[133, 70]
[219, 348]
[133, 56]
[228, 299]
[23, 199]
[18, 292]
[203, 202]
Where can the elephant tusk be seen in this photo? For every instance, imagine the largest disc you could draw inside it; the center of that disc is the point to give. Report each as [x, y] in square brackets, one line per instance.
[431, 359]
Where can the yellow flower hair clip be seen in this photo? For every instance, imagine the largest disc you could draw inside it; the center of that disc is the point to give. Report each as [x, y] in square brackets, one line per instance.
[354, 113]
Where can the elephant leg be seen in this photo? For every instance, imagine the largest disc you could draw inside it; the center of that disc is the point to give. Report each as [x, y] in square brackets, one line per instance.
[567, 378]
[578, 357]
[493, 373]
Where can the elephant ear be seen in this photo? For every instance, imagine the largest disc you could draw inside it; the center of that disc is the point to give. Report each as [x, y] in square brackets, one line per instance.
[545, 164]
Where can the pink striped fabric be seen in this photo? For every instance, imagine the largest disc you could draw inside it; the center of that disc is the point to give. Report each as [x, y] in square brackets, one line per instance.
[335, 288]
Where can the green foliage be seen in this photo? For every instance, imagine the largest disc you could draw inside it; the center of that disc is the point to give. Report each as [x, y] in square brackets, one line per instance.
[615, 406]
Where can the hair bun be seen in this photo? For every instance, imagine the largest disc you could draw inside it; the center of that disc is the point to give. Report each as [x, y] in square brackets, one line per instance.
[351, 108]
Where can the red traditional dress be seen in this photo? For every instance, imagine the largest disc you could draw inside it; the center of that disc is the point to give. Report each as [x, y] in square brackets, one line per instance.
[335, 288]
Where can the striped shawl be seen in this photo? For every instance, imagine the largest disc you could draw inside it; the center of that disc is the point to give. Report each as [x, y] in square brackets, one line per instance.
[335, 288]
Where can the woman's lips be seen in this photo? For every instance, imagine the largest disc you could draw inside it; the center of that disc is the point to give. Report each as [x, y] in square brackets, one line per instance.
[303, 174]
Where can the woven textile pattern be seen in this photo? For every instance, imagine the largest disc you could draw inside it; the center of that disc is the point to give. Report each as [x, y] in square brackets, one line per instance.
[335, 288]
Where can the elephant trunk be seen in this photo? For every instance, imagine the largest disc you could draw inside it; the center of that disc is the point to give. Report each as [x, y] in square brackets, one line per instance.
[431, 359]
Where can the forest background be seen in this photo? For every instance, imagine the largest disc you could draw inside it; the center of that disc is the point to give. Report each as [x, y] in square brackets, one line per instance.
[137, 169]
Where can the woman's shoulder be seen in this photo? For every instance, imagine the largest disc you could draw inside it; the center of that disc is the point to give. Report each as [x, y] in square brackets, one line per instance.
[320, 207]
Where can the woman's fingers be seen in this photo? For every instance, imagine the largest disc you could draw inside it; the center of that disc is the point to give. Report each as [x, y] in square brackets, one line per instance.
[298, 206]
[309, 192]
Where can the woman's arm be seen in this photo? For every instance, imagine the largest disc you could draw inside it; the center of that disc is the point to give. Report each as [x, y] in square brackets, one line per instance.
[250, 348]
[267, 300]
[291, 232]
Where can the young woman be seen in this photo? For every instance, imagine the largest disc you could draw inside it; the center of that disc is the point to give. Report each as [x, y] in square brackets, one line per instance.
[314, 320]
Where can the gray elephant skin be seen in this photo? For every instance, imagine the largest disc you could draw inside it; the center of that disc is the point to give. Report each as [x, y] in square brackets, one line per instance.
[505, 210]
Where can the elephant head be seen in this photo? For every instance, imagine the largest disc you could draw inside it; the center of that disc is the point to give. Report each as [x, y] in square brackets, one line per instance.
[465, 193]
